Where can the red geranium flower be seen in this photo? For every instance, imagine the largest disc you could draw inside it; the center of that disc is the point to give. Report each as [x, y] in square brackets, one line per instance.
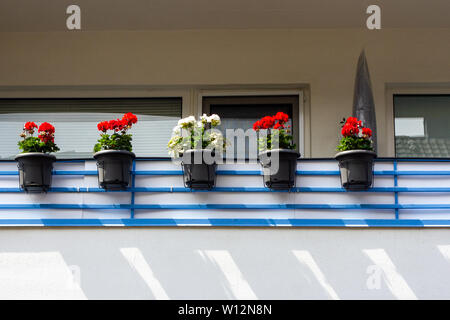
[278, 126]
[113, 125]
[119, 125]
[119, 137]
[346, 130]
[103, 126]
[267, 122]
[126, 122]
[355, 135]
[276, 122]
[30, 126]
[46, 127]
[367, 132]
[46, 132]
[257, 125]
[129, 118]
[353, 121]
[282, 117]
[349, 129]
[46, 137]
[122, 124]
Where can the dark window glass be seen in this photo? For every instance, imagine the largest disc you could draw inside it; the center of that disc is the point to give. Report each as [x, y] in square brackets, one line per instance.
[422, 126]
[242, 111]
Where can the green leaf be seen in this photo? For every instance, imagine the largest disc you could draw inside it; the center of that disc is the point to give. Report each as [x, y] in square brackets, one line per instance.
[115, 141]
[34, 144]
[354, 143]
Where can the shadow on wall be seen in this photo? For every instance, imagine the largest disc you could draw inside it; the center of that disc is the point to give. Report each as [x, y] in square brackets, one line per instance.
[206, 263]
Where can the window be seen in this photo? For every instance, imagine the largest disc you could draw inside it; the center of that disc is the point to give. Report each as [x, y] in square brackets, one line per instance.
[242, 111]
[422, 126]
[75, 122]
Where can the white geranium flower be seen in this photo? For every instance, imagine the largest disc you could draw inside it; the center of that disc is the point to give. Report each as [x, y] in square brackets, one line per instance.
[175, 146]
[176, 130]
[216, 141]
[174, 141]
[175, 153]
[191, 119]
[204, 118]
[214, 119]
[189, 129]
[187, 122]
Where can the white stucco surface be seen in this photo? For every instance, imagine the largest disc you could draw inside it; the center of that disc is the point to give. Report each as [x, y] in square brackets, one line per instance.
[224, 263]
[109, 64]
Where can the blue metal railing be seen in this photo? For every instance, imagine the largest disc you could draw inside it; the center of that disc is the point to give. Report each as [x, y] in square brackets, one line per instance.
[395, 173]
[133, 183]
[238, 173]
[163, 222]
[237, 189]
[221, 206]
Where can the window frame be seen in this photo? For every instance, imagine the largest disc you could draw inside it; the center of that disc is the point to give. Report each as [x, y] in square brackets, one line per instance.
[425, 127]
[191, 95]
[393, 89]
[261, 92]
[94, 92]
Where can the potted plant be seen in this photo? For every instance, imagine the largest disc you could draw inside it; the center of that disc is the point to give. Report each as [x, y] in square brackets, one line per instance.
[198, 145]
[113, 153]
[356, 155]
[35, 163]
[277, 153]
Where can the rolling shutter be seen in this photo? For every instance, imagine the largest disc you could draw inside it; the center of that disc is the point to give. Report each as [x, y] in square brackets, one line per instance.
[75, 122]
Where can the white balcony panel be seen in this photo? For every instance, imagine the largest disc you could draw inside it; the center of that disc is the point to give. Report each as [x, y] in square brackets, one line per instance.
[424, 181]
[41, 214]
[214, 214]
[184, 203]
[343, 214]
[425, 214]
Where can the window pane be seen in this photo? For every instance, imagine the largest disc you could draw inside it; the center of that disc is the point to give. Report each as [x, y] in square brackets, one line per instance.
[422, 126]
[243, 112]
[75, 122]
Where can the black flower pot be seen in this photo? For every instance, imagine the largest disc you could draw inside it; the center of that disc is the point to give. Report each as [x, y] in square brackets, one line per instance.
[35, 171]
[281, 177]
[356, 167]
[114, 169]
[198, 176]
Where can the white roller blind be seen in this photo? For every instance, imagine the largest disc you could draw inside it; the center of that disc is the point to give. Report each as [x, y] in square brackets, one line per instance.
[75, 122]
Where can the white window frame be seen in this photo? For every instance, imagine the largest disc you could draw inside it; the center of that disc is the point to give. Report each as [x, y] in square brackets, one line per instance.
[394, 89]
[75, 92]
[192, 97]
[304, 128]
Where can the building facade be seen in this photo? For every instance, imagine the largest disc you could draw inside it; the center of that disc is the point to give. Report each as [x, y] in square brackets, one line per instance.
[159, 240]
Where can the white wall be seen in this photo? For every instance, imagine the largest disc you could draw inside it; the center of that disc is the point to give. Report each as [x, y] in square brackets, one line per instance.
[324, 59]
[216, 263]
[190, 262]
